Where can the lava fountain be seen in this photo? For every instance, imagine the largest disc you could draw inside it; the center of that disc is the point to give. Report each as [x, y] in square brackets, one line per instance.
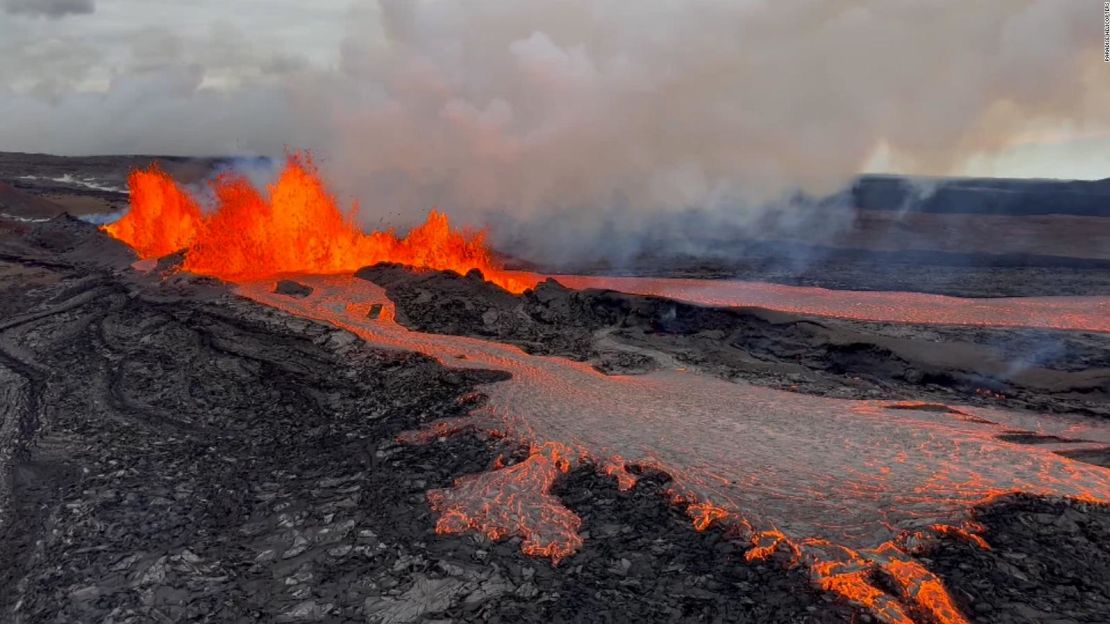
[846, 488]
[297, 226]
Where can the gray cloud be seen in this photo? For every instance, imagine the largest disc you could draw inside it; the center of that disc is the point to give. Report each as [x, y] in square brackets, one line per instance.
[49, 8]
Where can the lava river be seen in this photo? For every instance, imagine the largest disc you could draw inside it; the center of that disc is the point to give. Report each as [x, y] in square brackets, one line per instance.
[1091, 313]
[846, 488]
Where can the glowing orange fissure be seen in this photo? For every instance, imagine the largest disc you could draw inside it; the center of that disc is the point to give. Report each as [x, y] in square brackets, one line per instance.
[296, 228]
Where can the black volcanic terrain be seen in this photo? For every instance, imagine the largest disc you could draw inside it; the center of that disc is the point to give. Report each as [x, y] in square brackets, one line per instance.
[43, 185]
[170, 451]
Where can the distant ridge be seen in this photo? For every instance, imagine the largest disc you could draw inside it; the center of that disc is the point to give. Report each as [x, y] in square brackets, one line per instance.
[993, 196]
[17, 203]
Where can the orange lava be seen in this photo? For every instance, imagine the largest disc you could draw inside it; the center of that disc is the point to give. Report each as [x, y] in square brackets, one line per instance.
[855, 586]
[514, 501]
[296, 227]
[766, 543]
[435, 430]
[968, 533]
[163, 218]
[616, 468]
[924, 589]
[705, 514]
[849, 574]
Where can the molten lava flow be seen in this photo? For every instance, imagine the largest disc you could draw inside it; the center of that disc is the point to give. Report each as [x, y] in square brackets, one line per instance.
[848, 573]
[298, 227]
[1081, 313]
[515, 500]
[970, 533]
[615, 467]
[848, 490]
[705, 514]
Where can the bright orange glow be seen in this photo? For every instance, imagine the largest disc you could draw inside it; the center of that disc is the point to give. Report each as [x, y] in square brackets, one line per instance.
[765, 543]
[705, 514]
[296, 228]
[964, 533]
[848, 573]
[514, 500]
[855, 587]
[923, 588]
[163, 218]
[615, 467]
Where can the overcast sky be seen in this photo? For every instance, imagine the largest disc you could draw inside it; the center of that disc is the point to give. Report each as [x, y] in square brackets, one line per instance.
[253, 76]
[53, 46]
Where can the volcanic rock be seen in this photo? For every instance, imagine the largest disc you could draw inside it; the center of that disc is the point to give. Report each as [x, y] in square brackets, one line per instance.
[21, 205]
[424, 596]
[1049, 561]
[170, 262]
[65, 241]
[1099, 457]
[293, 289]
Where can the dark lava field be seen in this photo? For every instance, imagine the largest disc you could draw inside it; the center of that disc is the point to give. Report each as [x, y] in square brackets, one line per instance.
[172, 452]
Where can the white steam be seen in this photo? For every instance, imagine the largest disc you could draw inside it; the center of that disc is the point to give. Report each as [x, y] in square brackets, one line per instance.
[589, 115]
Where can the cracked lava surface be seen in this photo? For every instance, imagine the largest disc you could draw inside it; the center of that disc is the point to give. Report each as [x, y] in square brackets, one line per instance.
[846, 488]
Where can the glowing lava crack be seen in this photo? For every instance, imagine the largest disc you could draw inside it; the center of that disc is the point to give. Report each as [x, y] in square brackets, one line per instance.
[848, 489]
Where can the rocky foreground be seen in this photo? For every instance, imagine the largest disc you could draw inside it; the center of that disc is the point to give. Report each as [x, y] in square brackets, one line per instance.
[171, 452]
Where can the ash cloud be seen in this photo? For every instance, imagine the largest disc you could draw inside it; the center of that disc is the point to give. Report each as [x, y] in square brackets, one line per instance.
[567, 125]
[49, 8]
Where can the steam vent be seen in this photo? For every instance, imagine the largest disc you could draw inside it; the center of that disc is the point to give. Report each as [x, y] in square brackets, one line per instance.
[380, 312]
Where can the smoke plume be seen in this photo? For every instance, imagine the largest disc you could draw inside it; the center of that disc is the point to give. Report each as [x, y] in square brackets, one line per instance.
[568, 123]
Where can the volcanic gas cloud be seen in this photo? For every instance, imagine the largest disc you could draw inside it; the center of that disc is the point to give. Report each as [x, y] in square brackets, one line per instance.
[297, 226]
